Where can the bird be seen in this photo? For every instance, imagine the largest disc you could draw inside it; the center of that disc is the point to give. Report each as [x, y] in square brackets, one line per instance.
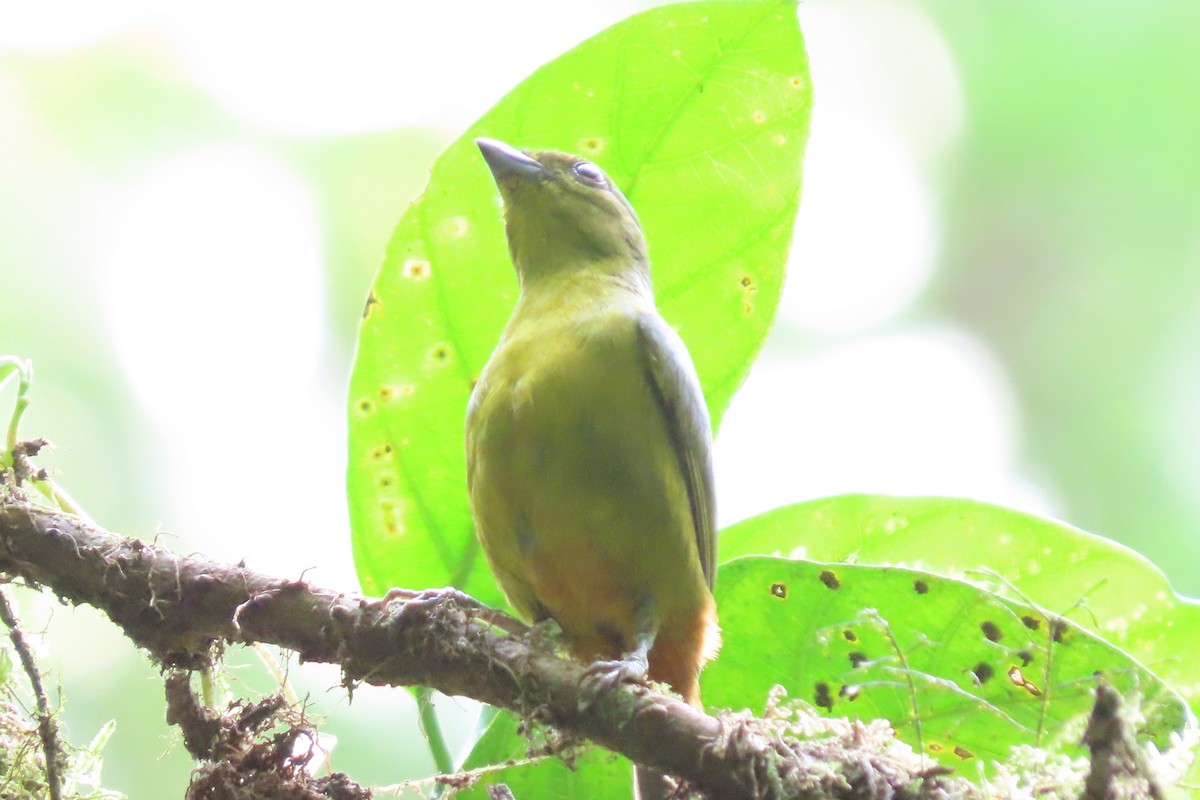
[588, 441]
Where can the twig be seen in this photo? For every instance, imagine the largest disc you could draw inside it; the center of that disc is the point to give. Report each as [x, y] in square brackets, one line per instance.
[47, 727]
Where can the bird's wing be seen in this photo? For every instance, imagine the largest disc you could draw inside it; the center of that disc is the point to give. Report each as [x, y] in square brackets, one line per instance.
[673, 378]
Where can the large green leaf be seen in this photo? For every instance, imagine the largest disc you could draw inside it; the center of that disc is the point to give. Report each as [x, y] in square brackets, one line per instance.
[700, 113]
[1098, 583]
[961, 672]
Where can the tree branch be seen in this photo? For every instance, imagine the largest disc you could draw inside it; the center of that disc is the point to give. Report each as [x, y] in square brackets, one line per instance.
[180, 607]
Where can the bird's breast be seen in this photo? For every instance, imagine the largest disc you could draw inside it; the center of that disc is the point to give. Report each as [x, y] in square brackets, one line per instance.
[577, 492]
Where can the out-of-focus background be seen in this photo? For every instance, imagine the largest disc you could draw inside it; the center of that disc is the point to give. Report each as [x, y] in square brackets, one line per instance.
[995, 288]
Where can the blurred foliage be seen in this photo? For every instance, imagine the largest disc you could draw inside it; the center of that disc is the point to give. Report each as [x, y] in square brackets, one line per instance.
[704, 128]
[110, 112]
[1072, 246]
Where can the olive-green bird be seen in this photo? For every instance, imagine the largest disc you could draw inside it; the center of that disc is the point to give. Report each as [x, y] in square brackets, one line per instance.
[588, 441]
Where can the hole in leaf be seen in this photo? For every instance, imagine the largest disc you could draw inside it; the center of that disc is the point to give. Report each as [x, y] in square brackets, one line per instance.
[372, 301]
[983, 672]
[1018, 678]
[821, 696]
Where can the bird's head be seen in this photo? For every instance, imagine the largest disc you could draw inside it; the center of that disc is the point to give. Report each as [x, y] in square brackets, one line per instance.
[562, 213]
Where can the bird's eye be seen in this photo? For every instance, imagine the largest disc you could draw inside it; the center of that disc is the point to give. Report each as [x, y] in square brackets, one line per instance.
[589, 173]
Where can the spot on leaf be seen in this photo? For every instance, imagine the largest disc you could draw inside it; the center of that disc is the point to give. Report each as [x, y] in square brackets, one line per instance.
[439, 354]
[390, 522]
[592, 145]
[991, 630]
[454, 228]
[857, 659]
[779, 590]
[415, 269]
[982, 672]
[830, 579]
[1031, 622]
[920, 587]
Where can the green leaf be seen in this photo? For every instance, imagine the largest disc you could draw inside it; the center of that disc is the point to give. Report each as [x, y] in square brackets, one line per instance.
[9, 365]
[591, 774]
[700, 113]
[960, 672]
[1100, 584]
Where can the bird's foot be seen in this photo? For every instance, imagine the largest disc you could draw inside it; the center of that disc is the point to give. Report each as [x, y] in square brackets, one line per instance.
[605, 676]
[428, 597]
[425, 599]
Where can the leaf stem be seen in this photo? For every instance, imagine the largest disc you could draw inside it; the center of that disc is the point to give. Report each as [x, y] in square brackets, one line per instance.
[432, 728]
[24, 371]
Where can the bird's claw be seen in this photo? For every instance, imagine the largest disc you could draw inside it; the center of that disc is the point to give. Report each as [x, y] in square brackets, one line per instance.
[427, 597]
[606, 676]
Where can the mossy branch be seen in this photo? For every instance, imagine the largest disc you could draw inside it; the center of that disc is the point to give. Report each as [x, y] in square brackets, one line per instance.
[180, 608]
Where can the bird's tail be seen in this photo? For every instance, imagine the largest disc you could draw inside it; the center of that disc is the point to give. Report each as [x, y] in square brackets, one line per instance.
[676, 661]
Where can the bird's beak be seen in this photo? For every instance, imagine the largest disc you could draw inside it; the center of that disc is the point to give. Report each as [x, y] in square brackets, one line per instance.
[507, 163]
